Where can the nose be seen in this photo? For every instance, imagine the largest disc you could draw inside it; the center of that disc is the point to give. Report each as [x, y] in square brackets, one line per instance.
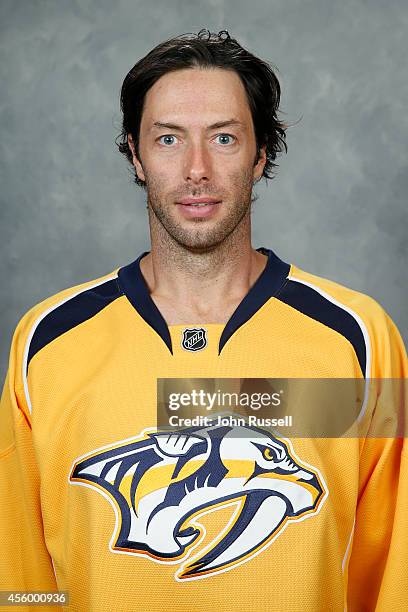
[197, 164]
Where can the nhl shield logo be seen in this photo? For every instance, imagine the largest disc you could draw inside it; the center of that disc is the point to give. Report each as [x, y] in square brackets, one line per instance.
[194, 339]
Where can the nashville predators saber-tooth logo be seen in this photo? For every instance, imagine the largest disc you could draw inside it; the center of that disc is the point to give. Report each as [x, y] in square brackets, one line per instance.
[161, 482]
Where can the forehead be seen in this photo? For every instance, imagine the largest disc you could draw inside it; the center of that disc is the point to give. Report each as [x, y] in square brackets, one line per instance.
[193, 95]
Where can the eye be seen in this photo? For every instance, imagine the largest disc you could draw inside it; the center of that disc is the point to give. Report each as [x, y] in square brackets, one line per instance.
[224, 136]
[269, 454]
[167, 137]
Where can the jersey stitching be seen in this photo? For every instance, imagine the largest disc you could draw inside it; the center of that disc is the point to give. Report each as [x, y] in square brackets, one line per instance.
[7, 451]
[119, 286]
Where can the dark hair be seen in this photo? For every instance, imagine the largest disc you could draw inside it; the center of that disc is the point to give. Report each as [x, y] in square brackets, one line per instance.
[206, 50]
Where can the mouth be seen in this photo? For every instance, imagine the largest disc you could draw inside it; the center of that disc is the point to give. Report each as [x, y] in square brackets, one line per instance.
[199, 208]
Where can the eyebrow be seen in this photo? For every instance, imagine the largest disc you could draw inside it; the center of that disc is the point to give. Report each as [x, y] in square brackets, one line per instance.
[214, 126]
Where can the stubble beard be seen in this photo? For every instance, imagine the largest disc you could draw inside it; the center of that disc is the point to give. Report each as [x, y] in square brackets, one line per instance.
[198, 237]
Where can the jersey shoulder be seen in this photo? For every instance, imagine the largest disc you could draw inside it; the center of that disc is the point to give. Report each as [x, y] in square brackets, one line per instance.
[55, 314]
[104, 284]
[347, 308]
[361, 303]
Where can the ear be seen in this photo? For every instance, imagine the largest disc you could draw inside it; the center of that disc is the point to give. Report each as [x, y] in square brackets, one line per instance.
[260, 164]
[137, 164]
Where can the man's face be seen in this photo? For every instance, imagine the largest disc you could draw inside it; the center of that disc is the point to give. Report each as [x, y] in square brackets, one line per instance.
[191, 157]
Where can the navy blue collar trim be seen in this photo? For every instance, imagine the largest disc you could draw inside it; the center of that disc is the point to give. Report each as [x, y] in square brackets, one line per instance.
[135, 288]
[268, 285]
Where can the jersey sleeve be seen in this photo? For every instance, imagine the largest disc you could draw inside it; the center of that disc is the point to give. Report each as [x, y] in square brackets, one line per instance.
[378, 565]
[25, 564]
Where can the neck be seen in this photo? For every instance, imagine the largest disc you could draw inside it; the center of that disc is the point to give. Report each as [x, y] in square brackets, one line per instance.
[205, 284]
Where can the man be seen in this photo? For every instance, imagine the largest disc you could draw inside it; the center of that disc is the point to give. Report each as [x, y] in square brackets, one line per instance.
[205, 517]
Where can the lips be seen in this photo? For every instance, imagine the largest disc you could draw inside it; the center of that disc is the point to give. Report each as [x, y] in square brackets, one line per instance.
[203, 207]
[197, 201]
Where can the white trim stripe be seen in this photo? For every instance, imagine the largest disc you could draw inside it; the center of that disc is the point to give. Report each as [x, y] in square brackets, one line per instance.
[346, 554]
[38, 321]
[362, 326]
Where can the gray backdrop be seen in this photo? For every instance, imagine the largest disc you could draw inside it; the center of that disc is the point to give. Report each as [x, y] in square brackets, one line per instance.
[69, 209]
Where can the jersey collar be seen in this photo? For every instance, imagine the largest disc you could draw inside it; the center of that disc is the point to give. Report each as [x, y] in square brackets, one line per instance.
[268, 285]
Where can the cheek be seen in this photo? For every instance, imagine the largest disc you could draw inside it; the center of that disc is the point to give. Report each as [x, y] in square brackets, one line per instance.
[164, 166]
[158, 183]
[241, 178]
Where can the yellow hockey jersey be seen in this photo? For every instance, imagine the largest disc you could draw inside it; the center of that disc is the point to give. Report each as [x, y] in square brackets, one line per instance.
[97, 502]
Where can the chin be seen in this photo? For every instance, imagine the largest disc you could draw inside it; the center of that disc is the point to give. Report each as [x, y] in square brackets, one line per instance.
[198, 243]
